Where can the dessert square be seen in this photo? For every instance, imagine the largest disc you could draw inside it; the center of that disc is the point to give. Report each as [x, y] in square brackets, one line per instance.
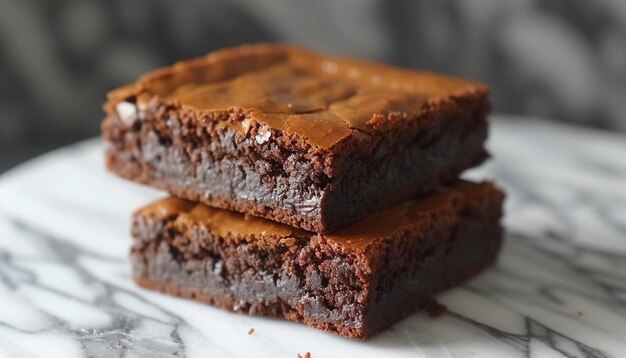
[354, 282]
[306, 139]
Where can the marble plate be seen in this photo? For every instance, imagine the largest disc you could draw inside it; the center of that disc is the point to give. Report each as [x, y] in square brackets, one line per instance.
[558, 289]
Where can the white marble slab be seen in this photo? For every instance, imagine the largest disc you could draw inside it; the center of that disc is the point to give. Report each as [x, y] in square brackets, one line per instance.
[558, 289]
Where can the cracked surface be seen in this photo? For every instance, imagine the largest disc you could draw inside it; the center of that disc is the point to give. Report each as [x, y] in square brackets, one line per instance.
[355, 282]
[321, 98]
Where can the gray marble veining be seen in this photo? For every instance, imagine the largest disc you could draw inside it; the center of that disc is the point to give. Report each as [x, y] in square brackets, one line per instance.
[558, 289]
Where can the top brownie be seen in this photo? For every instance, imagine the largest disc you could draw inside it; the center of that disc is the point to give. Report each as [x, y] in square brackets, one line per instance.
[306, 139]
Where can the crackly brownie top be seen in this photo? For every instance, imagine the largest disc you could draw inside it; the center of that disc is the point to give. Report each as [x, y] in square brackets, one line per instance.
[410, 215]
[319, 97]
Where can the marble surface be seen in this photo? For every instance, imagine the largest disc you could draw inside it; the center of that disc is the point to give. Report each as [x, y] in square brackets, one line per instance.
[558, 289]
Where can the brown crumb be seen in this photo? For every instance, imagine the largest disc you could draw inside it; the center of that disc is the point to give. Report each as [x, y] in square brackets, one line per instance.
[251, 331]
[435, 309]
[306, 355]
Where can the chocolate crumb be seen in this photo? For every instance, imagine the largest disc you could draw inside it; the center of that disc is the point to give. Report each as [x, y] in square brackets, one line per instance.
[435, 309]
[306, 355]
[251, 331]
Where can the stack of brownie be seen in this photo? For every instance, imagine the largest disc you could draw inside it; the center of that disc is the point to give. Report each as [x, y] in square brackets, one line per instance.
[305, 186]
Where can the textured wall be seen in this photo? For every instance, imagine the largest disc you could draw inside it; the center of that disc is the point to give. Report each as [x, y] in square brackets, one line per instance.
[561, 59]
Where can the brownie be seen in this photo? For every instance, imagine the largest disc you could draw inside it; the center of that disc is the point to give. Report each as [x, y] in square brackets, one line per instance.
[309, 140]
[354, 282]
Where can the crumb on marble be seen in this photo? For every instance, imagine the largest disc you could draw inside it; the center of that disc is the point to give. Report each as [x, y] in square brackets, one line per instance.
[434, 308]
[251, 331]
[306, 355]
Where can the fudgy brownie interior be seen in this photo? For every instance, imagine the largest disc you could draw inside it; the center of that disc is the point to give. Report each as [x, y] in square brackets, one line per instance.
[310, 140]
[354, 282]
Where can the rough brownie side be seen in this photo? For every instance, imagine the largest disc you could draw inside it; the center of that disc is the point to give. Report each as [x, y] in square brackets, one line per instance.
[313, 141]
[355, 282]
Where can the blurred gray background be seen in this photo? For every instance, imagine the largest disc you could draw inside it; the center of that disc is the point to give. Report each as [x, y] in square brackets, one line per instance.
[559, 59]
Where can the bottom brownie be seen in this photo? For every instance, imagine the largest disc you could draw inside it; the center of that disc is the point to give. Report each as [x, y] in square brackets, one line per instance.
[354, 282]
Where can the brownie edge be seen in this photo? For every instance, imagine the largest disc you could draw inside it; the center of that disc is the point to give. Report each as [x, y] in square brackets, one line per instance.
[355, 283]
